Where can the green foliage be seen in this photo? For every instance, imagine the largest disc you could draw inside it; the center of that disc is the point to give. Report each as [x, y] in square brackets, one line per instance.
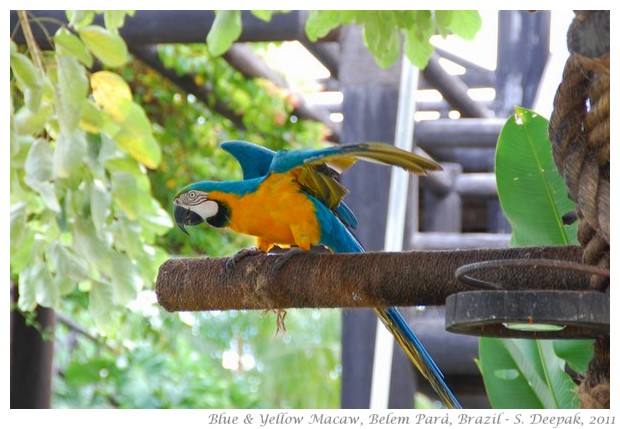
[67, 157]
[463, 23]
[208, 360]
[263, 15]
[531, 191]
[576, 353]
[106, 45]
[530, 373]
[382, 30]
[133, 129]
[225, 30]
[525, 374]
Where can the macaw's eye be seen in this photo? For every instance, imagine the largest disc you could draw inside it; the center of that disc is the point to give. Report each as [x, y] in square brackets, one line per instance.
[191, 195]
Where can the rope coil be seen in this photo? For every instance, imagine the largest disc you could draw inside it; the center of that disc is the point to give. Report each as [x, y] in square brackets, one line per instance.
[579, 129]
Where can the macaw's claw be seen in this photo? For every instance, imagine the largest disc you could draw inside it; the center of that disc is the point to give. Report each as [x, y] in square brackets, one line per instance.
[285, 257]
[243, 253]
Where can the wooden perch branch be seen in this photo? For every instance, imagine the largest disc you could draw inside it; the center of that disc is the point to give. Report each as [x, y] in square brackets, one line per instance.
[349, 280]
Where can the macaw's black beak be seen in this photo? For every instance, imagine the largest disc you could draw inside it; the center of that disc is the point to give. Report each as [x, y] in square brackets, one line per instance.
[185, 217]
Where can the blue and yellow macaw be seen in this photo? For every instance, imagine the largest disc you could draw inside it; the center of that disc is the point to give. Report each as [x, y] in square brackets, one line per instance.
[293, 198]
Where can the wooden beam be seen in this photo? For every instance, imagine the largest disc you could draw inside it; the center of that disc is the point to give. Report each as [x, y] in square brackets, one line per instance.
[454, 90]
[149, 27]
[481, 133]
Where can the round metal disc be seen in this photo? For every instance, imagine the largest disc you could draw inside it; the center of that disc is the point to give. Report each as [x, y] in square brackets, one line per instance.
[529, 314]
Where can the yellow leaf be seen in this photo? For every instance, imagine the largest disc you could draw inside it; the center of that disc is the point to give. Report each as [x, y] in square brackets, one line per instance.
[111, 93]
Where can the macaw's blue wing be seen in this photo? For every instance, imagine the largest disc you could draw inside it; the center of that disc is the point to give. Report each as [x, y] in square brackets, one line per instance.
[334, 234]
[318, 170]
[339, 158]
[345, 214]
[254, 159]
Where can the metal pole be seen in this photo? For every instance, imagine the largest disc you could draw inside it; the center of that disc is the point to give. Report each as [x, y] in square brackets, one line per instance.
[394, 231]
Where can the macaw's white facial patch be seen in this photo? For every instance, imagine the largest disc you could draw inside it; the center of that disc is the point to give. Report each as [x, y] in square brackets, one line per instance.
[206, 209]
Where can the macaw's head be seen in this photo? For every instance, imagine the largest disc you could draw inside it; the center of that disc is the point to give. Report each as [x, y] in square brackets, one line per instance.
[192, 206]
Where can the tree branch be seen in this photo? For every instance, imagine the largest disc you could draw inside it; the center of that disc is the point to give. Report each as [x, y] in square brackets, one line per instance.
[30, 41]
[349, 280]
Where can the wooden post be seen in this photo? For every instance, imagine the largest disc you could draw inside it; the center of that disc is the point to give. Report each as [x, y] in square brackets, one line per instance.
[31, 358]
[369, 109]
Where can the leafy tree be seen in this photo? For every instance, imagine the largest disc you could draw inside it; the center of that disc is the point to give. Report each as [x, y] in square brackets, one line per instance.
[382, 30]
[82, 214]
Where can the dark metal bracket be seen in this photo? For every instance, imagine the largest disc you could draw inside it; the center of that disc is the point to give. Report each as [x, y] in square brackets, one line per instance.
[499, 311]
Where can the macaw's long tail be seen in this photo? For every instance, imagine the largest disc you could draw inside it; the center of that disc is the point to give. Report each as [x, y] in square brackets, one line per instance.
[396, 324]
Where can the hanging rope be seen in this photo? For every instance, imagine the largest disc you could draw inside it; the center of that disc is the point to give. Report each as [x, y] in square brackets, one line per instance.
[579, 131]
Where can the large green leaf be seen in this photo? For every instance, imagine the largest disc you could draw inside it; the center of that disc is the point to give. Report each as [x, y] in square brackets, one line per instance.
[263, 15]
[576, 353]
[531, 191]
[133, 131]
[115, 19]
[28, 122]
[100, 200]
[382, 38]
[157, 219]
[101, 305]
[71, 92]
[417, 46]
[463, 23]
[525, 374]
[66, 262]
[136, 136]
[19, 217]
[25, 71]
[80, 18]
[38, 168]
[39, 161]
[68, 43]
[36, 287]
[29, 78]
[126, 194]
[69, 153]
[87, 244]
[321, 22]
[126, 280]
[92, 118]
[107, 46]
[533, 197]
[225, 30]
[27, 289]
[70, 98]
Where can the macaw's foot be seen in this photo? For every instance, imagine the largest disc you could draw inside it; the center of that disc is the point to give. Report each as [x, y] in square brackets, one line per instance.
[285, 257]
[241, 254]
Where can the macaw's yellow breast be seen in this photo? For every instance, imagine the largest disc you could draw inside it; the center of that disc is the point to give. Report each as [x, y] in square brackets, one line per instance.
[278, 212]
